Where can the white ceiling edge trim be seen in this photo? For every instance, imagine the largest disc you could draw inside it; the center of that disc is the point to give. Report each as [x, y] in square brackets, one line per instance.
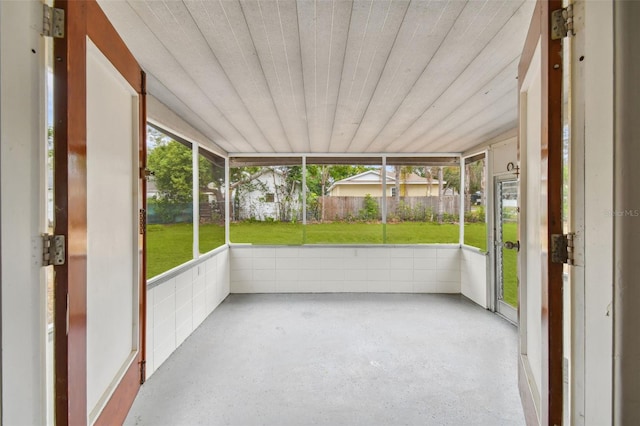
[501, 139]
[345, 154]
[163, 117]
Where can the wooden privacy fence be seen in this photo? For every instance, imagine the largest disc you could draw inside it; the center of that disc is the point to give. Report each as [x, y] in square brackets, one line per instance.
[331, 208]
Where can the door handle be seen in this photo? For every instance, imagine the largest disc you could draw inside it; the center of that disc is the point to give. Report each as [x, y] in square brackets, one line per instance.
[512, 245]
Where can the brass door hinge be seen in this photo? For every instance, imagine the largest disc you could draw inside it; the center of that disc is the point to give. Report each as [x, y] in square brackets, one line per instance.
[143, 221]
[562, 23]
[53, 250]
[143, 371]
[52, 22]
[562, 248]
[146, 173]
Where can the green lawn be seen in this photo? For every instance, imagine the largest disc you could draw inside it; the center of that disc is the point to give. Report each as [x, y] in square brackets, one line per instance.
[266, 233]
[475, 234]
[422, 233]
[509, 266]
[168, 246]
[171, 245]
[343, 233]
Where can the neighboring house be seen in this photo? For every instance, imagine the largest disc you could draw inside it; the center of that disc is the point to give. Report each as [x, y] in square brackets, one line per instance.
[370, 182]
[267, 197]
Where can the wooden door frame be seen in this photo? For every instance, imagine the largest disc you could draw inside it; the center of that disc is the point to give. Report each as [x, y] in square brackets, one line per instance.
[551, 386]
[84, 19]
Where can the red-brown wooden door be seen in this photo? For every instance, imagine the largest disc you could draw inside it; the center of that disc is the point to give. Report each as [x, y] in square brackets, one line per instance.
[540, 156]
[99, 116]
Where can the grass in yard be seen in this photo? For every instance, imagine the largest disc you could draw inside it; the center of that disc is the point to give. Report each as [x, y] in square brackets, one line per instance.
[171, 245]
[509, 266]
[211, 235]
[422, 233]
[475, 234]
[343, 233]
[266, 233]
[168, 246]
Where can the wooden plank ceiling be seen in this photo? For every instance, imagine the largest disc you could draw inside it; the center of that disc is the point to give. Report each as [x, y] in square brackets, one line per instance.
[363, 76]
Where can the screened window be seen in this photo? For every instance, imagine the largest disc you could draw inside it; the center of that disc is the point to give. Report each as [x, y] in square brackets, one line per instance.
[169, 202]
[423, 201]
[266, 200]
[475, 225]
[344, 201]
[211, 207]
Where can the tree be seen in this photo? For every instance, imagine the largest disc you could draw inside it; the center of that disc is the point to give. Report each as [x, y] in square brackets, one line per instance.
[476, 178]
[451, 176]
[428, 173]
[171, 163]
[172, 166]
[397, 178]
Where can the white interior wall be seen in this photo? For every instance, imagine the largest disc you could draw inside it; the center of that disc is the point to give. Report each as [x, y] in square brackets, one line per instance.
[474, 273]
[312, 269]
[22, 144]
[627, 221]
[503, 153]
[597, 86]
[177, 304]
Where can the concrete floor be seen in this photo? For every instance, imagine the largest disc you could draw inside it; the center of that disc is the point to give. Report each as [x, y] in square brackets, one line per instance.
[339, 359]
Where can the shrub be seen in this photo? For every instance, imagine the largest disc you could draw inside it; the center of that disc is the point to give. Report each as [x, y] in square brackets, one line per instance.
[370, 209]
[477, 215]
[403, 211]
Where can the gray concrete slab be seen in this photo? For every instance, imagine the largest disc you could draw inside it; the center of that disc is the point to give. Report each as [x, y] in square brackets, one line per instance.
[339, 359]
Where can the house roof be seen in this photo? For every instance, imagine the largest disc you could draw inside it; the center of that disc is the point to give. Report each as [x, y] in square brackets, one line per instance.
[374, 177]
[341, 76]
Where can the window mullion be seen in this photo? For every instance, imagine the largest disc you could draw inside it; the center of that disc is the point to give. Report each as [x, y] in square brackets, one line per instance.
[463, 185]
[227, 201]
[196, 201]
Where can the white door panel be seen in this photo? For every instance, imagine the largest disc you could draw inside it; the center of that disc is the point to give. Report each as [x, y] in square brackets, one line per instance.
[112, 269]
[531, 260]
